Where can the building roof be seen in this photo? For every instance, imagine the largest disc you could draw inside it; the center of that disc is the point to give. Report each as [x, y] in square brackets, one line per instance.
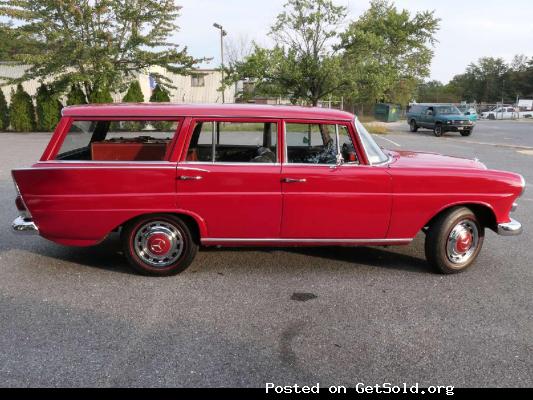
[203, 110]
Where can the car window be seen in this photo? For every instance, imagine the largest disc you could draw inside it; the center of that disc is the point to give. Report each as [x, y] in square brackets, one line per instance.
[234, 142]
[318, 144]
[124, 140]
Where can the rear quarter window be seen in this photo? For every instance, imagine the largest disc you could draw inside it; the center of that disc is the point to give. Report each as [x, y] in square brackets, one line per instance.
[117, 140]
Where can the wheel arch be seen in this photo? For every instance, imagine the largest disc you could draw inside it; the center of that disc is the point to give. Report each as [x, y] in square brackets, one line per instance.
[483, 212]
[196, 223]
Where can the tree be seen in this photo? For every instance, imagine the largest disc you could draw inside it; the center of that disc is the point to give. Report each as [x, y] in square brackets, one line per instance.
[159, 95]
[4, 112]
[99, 44]
[100, 94]
[436, 92]
[14, 44]
[21, 111]
[48, 109]
[134, 94]
[388, 51]
[304, 65]
[76, 96]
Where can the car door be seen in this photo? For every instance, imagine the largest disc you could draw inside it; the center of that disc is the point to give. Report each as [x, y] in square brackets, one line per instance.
[229, 177]
[326, 200]
[428, 117]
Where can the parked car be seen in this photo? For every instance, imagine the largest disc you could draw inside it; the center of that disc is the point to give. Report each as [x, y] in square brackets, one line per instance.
[439, 118]
[470, 112]
[506, 112]
[170, 178]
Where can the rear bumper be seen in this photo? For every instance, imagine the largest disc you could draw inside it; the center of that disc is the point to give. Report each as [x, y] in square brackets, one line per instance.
[512, 228]
[25, 226]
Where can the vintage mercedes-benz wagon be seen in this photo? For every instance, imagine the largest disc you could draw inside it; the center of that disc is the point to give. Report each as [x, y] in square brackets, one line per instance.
[170, 178]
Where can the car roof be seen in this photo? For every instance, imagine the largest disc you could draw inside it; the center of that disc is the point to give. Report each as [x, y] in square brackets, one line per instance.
[203, 110]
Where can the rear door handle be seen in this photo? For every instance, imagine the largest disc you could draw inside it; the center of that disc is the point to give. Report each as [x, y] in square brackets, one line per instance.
[292, 180]
[190, 178]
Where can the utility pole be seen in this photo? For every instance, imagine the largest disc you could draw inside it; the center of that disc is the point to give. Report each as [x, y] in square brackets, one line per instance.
[222, 34]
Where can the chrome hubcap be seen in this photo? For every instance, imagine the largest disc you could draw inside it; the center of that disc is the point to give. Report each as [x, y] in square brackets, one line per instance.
[158, 244]
[462, 242]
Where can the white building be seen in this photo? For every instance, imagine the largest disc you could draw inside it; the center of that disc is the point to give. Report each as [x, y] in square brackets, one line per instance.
[200, 87]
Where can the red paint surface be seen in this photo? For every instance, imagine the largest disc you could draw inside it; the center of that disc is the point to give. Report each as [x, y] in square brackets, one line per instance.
[80, 203]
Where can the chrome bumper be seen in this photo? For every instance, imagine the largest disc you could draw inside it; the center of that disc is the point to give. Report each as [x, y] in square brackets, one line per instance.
[512, 228]
[25, 226]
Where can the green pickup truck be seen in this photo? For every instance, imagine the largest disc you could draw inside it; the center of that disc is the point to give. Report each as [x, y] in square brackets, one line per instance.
[439, 118]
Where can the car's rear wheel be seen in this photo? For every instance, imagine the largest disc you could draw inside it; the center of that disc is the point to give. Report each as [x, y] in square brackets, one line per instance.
[454, 240]
[159, 245]
[437, 130]
[413, 127]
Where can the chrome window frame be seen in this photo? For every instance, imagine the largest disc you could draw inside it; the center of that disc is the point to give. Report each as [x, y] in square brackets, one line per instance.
[242, 163]
[285, 148]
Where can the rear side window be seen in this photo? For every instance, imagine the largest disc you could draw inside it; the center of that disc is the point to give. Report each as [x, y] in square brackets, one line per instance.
[125, 140]
[234, 142]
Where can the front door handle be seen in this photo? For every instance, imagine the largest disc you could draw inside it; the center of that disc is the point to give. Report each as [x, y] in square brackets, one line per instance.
[190, 178]
[292, 180]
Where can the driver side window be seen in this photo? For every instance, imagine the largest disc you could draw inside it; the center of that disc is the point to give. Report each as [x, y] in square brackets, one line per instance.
[319, 144]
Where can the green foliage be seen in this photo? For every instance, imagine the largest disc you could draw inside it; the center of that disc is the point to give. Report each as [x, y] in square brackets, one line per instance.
[14, 44]
[100, 95]
[388, 51]
[21, 111]
[489, 80]
[76, 96]
[304, 65]
[4, 112]
[436, 92]
[96, 43]
[134, 94]
[160, 95]
[48, 109]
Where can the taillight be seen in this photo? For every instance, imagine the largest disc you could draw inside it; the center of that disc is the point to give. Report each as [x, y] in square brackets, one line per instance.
[20, 203]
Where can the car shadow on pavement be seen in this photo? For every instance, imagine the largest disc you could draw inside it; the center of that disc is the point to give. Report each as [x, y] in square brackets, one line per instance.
[356, 256]
[108, 256]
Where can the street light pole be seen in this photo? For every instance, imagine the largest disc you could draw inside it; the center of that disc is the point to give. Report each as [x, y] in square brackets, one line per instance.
[222, 34]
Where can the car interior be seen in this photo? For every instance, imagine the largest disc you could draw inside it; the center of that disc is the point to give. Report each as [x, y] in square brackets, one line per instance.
[233, 143]
[119, 141]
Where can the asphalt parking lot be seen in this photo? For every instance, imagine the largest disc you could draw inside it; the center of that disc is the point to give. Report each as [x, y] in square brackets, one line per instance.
[79, 317]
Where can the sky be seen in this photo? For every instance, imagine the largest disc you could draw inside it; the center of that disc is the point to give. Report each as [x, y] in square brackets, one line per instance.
[469, 29]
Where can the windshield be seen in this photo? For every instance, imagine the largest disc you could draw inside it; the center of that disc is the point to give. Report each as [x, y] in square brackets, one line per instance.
[447, 110]
[373, 151]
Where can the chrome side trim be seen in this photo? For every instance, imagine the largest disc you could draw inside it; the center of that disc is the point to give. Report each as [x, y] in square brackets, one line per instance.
[347, 241]
[229, 164]
[512, 228]
[193, 169]
[24, 226]
[78, 167]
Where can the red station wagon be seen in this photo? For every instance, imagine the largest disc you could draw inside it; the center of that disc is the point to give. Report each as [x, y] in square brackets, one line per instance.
[170, 178]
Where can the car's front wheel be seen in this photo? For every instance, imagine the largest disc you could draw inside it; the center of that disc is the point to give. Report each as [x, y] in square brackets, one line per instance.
[158, 245]
[437, 130]
[413, 127]
[454, 240]
[467, 132]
